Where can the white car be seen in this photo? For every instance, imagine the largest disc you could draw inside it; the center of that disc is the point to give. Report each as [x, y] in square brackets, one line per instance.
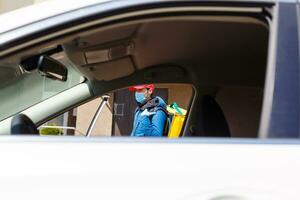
[233, 66]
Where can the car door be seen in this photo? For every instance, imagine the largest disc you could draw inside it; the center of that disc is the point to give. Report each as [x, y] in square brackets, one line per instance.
[188, 168]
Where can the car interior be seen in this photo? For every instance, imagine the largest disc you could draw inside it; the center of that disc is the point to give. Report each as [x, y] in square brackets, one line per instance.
[223, 57]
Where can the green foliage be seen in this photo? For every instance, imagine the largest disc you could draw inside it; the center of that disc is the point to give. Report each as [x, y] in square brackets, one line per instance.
[51, 131]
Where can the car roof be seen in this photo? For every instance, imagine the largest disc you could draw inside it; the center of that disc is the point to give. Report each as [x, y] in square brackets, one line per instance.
[53, 8]
[41, 11]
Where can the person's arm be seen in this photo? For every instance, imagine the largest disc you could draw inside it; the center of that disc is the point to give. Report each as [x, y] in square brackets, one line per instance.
[158, 123]
[135, 130]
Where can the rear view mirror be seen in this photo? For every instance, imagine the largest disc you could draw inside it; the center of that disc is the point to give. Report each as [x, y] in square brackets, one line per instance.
[51, 68]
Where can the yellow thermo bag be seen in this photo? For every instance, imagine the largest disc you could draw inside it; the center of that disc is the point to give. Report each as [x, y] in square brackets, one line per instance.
[178, 117]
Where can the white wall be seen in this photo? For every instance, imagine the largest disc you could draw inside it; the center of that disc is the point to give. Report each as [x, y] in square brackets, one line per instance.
[85, 114]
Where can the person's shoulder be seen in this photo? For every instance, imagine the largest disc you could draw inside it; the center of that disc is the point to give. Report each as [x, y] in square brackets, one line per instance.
[137, 109]
[161, 101]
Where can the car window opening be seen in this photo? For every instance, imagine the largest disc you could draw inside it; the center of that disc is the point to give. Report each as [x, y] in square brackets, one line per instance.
[210, 75]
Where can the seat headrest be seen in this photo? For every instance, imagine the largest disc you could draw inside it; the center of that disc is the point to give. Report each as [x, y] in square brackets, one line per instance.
[211, 122]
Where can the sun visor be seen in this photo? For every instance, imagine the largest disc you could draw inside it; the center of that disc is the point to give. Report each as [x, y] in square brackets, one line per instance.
[109, 54]
[110, 70]
[103, 63]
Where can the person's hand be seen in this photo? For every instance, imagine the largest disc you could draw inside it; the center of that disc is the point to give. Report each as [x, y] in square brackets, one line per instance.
[147, 113]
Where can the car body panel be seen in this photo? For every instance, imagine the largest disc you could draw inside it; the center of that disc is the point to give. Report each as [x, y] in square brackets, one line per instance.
[41, 11]
[53, 8]
[47, 168]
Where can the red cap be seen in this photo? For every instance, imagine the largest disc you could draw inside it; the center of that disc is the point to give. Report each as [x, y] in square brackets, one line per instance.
[139, 87]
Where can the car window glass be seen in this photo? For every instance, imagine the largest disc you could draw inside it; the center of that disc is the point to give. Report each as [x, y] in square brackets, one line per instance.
[27, 89]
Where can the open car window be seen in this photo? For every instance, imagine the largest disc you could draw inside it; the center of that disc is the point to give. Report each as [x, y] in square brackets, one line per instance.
[221, 113]
[224, 55]
[118, 115]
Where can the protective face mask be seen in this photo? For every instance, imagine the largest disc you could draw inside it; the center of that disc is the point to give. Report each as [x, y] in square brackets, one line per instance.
[140, 97]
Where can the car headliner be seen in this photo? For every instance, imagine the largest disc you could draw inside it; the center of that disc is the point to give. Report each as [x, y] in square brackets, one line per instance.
[250, 58]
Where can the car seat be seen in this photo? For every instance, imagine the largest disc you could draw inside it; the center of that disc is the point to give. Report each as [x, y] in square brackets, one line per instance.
[211, 121]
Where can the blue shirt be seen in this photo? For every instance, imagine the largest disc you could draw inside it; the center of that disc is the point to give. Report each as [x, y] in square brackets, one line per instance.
[150, 123]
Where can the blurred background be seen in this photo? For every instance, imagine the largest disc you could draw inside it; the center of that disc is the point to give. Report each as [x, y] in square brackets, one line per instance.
[9, 5]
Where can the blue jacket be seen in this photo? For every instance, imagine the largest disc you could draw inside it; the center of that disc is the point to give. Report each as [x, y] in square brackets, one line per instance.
[150, 119]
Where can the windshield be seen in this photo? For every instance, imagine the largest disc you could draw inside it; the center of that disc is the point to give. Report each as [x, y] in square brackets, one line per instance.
[20, 91]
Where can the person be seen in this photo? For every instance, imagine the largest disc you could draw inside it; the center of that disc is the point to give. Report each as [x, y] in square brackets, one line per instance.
[150, 115]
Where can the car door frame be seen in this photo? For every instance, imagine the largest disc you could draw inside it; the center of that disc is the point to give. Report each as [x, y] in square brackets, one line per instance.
[64, 24]
[280, 113]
